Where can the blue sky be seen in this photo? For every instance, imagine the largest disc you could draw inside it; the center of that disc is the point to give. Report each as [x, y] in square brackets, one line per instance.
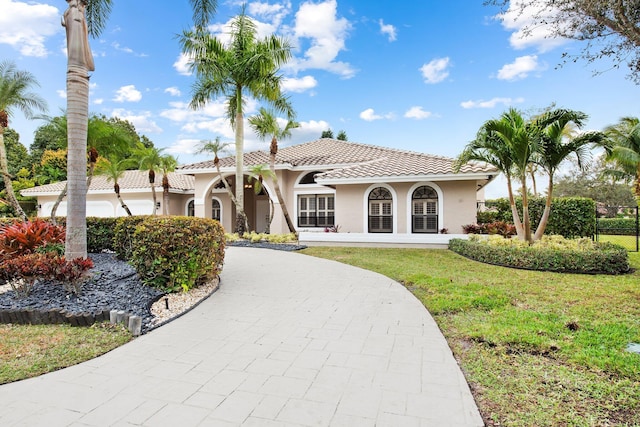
[415, 75]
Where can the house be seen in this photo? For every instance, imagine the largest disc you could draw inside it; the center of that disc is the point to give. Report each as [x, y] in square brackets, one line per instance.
[369, 194]
[134, 189]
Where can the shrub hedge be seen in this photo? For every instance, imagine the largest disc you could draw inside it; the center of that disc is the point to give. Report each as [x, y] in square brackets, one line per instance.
[570, 216]
[581, 256]
[174, 253]
[617, 226]
[123, 235]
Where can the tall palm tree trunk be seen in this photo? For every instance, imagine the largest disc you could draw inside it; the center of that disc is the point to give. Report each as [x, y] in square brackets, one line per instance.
[61, 196]
[514, 210]
[4, 166]
[152, 183]
[276, 186]
[116, 188]
[77, 123]
[526, 221]
[242, 223]
[165, 194]
[545, 214]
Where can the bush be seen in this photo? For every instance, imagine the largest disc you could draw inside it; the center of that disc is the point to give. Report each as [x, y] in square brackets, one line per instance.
[20, 238]
[100, 234]
[570, 216]
[123, 235]
[502, 228]
[617, 226]
[552, 253]
[175, 253]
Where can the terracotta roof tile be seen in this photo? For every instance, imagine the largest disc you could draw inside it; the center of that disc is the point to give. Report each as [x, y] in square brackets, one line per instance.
[352, 160]
[131, 180]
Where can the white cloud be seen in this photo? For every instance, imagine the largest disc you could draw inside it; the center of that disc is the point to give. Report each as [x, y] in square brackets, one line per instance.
[436, 70]
[271, 12]
[520, 68]
[389, 30]
[526, 27]
[62, 93]
[98, 101]
[184, 146]
[327, 33]
[417, 113]
[128, 93]
[26, 26]
[491, 103]
[299, 85]
[142, 121]
[182, 65]
[173, 91]
[370, 115]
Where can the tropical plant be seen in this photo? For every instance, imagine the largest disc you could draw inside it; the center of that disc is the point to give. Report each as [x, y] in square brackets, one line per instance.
[148, 159]
[14, 93]
[265, 124]
[624, 151]
[167, 164]
[114, 170]
[216, 147]
[84, 18]
[555, 148]
[246, 66]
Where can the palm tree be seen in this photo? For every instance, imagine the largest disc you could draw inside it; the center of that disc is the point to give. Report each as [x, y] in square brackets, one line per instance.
[489, 148]
[624, 151]
[266, 124]
[81, 19]
[149, 159]
[258, 174]
[246, 66]
[556, 147]
[216, 147]
[114, 170]
[14, 93]
[168, 164]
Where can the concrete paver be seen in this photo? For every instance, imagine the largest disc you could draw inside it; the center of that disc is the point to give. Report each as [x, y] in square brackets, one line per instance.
[288, 340]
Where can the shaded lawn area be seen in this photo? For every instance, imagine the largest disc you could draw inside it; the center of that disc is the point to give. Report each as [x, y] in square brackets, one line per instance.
[537, 348]
[31, 350]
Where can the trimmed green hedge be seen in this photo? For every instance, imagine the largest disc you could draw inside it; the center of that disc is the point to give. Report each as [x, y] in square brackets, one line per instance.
[176, 253]
[602, 258]
[617, 226]
[570, 216]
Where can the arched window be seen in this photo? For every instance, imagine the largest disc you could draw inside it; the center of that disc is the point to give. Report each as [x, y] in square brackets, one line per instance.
[309, 178]
[380, 211]
[215, 209]
[424, 210]
[191, 208]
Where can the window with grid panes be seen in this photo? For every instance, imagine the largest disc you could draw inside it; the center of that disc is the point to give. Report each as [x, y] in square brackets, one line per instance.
[424, 215]
[380, 211]
[316, 210]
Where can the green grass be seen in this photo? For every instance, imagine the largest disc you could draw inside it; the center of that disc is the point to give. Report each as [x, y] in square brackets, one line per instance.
[627, 242]
[543, 349]
[31, 350]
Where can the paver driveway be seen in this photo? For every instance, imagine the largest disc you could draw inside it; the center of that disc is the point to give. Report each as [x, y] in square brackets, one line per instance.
[288, 340]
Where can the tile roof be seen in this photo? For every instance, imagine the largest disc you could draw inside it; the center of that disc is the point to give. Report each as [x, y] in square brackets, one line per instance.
[131, 180]
[352, 160]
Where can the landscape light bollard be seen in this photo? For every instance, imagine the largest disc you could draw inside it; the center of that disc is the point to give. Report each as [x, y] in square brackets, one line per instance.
[166, 303]
[135, 325]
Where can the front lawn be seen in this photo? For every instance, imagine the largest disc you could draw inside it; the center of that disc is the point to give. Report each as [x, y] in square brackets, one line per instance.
[543, 349]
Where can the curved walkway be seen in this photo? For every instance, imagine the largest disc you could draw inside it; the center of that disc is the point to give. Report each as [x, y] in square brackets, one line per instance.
[288, 340]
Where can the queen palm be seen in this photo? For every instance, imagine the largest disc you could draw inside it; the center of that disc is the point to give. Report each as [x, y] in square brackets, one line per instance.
[113, 170]
[265, 124]
[14, 93]
[556, 147]
[84, 18]
[624, 151]
[216, 147]
[244, 67]
[167, 164]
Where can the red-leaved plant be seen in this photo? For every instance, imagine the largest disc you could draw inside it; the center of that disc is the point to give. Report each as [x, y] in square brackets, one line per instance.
[22, 272]
[22, 238]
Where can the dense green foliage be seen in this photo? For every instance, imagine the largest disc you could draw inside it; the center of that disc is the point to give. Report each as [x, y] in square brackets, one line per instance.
[176, 253]
[123, 235]
[570, 217]
[617, 226]
[549, 254]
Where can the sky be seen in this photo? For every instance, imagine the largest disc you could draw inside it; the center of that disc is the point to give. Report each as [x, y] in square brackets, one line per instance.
[419, 75]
